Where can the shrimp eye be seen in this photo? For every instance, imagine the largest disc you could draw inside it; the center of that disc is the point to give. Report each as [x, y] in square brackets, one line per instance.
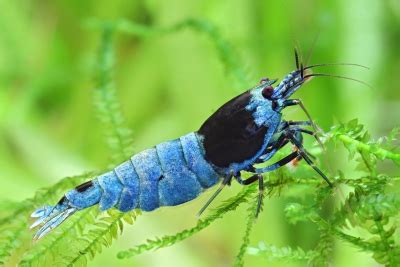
[267, 92]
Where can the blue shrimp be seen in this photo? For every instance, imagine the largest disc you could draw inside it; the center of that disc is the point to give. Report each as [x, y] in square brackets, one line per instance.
[245, 131]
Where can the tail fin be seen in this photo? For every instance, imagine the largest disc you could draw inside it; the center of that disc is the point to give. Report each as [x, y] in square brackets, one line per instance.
[49, 217]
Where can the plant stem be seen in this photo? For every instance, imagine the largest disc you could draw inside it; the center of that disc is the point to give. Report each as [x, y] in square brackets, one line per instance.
[379, 152]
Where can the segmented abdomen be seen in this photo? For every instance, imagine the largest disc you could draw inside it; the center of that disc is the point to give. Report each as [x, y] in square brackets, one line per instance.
[169, 174]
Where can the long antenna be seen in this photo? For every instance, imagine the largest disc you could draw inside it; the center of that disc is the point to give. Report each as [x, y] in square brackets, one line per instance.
[336, 64]
[310, 52]
[337, 76]
[296, 55]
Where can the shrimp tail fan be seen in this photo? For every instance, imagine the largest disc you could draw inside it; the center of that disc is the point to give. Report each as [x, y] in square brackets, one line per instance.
[49, 217]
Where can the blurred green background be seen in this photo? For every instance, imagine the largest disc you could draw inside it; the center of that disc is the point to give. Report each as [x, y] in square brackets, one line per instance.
[168, 85]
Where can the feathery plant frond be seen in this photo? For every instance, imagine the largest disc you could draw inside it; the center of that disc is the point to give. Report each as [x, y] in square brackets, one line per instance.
[370, 206]
[323, 251]
[226, 53]
[251, 219]
[118, 137]
[83, 244]
[106, 229]
[229, 205]
[288, 254]
[102, 229]
[356, 139]
[8, 207]
[13, 228]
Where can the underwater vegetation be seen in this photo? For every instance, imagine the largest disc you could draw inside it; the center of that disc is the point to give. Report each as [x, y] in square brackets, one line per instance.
[356, 221]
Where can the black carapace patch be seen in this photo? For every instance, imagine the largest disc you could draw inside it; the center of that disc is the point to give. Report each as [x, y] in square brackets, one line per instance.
[230, 134]
[83, 187]
[61, 201]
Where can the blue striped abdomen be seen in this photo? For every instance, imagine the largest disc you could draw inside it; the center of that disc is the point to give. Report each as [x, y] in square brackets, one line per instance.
[169, 174]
